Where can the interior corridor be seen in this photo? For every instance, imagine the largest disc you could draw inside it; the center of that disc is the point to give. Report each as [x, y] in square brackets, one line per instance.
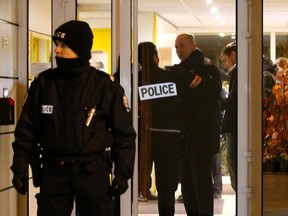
[225, 206]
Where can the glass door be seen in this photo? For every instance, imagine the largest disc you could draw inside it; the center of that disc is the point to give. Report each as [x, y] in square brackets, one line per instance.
[275, 151]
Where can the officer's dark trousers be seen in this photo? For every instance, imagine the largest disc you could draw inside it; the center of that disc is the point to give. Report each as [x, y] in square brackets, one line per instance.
[61, 186]
[232, 158]
[196, 183]
[166, 153]
[216, 173]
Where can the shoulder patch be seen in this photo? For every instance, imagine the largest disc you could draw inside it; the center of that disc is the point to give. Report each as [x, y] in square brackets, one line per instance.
[195, 82]
[43, 74]
[104, 74]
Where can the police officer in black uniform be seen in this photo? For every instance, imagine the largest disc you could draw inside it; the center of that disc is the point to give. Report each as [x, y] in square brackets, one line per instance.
[167, 124]
[81, 122]
[202, 127]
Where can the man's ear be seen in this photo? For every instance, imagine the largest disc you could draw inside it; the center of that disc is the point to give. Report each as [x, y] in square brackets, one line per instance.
[233, 55]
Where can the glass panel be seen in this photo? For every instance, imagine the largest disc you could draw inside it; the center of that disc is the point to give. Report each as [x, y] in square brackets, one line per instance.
[9, 10]
[159, 144]
[10, 26]
[275, 159]
[163, 33]
[98, 14]
[39, 53]
[266, 44]
[39, 37]
[281, 45]
[39, 58]
[207, 45]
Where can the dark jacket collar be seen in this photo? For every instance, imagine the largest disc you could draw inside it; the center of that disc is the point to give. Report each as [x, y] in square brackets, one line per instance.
[193, 61]
[72, 68]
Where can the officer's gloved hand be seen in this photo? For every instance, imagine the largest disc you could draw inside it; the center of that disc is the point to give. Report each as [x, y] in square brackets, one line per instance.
[20, 182]
[119, 185]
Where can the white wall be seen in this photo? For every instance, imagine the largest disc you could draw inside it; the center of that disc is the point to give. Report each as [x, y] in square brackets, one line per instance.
[165, 36]
[9, 48]
[145, 27]
[40, 16]
[165, 33]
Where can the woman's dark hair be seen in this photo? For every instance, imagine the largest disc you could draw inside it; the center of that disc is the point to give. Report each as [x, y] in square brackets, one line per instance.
[146, 50]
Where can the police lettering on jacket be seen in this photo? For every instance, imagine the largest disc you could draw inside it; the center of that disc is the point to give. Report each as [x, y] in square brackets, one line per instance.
[158, 90]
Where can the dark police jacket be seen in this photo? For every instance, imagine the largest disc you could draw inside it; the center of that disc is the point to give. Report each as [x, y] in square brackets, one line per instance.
[229, 104]
[202, 105]
[55, 115]
[167, 112]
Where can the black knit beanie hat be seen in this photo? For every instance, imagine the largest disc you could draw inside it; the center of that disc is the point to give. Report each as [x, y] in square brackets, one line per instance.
[77, 35]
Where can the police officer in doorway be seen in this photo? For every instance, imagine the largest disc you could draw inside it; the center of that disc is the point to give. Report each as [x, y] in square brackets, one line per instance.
[74, 124]
[167, 123]
[202, 127]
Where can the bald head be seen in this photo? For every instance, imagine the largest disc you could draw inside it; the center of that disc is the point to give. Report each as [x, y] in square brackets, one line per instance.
[185, 44]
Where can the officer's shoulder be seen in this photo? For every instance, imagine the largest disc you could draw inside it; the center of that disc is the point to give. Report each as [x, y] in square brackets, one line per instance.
[104, 75]
[211, 70]
[44, 74]
[208, 65]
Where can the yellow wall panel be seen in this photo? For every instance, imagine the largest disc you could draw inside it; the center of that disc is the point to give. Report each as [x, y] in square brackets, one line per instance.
[102, 42]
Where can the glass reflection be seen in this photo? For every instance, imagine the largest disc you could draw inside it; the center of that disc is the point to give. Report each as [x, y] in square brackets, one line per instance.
[39, 58]
[212, 32]
[211, 43]
[98, 15]
[275, 159]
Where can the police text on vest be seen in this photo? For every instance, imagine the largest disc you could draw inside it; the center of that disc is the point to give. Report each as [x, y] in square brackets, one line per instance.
[158, 90]
[47, 109]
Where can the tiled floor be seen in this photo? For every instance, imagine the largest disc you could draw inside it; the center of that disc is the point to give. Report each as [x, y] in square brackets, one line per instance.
[228, 196]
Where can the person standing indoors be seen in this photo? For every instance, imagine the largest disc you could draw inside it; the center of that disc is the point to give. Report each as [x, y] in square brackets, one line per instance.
[217, 159]
[217, 175]
[80, 120]
[165, 128]
[202, 127]
[144, 174]
[229, 104]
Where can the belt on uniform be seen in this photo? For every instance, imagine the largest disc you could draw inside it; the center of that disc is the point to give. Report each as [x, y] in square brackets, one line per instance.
[70, 164]
[97, 159]
[101, 158]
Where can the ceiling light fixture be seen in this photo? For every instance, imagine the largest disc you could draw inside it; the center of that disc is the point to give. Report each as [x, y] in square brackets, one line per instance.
[222, 34]
[209, 1]
[214, 10]
[222, 23]
[217, 17]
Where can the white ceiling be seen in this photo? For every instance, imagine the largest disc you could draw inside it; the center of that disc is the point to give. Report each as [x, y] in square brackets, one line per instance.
[193, 13]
